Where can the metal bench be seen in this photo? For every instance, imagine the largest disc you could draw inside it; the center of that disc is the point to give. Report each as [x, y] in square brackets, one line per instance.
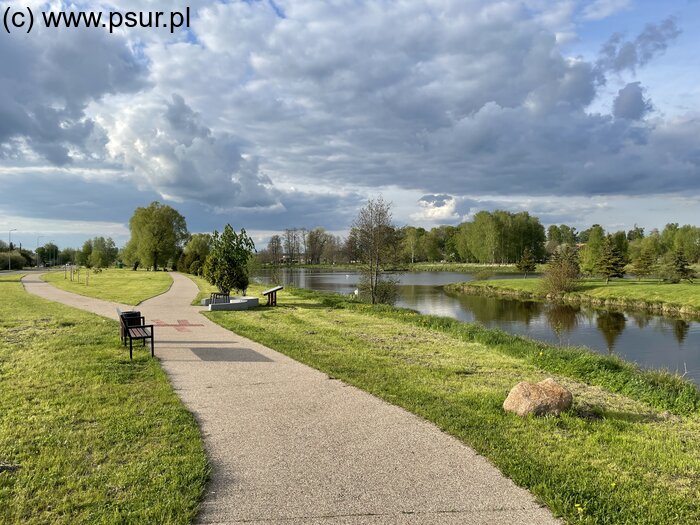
[217, 298]
[271, 295]
[132, 326]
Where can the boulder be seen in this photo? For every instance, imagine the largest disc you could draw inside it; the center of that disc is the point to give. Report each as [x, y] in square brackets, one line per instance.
[541, 399]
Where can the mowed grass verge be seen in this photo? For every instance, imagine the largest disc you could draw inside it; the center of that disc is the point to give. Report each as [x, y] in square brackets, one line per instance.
[205, 289]
[654, 295]
[628, 452]
[86, 436]
[118, 285]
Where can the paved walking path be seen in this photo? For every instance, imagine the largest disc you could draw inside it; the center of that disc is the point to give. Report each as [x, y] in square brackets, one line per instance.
[288, 445]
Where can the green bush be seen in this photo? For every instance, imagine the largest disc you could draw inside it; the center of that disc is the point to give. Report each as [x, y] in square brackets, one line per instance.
[18, 262]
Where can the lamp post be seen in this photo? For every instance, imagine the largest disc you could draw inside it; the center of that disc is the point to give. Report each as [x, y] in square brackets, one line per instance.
[53, 263]
[9, 253]
[37, 249]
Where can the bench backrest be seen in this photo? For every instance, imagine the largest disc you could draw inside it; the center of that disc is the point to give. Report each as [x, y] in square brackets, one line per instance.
[219, 297]
[130, 318]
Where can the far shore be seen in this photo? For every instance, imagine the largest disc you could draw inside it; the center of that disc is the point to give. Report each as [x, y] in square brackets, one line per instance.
[680, 299]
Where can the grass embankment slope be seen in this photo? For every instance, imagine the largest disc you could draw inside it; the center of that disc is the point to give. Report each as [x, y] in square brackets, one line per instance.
[628, 452]
[651, 295]
[87, 436]
[119, 285]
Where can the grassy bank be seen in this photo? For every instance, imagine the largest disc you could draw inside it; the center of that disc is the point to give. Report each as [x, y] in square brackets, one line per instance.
[681, 298]
[205, 289]
[119, 285]
[86, 436]
[628, 452]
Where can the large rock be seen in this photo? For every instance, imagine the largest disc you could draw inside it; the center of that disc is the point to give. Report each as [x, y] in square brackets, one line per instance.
[541, 399]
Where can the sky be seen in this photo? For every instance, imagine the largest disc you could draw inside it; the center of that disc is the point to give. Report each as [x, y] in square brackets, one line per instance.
[292, 113]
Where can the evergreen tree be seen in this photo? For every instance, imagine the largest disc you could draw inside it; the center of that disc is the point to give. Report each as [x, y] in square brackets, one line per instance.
[679, 268]
[610, 262]
[644, 264]
[526, 264]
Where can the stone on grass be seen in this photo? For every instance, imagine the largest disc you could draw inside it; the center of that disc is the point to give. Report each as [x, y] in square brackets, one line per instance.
[541, 399]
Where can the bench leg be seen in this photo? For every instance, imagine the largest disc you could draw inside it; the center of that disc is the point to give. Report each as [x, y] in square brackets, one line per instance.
[131, 348]
[152, 352]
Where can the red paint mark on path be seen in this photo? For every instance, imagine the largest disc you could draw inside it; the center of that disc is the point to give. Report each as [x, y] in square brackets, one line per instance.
[183, 325]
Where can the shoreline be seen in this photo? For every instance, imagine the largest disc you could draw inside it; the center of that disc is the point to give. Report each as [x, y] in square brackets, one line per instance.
[577, 298]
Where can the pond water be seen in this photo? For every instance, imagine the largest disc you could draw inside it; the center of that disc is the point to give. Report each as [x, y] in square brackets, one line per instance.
[651, 341]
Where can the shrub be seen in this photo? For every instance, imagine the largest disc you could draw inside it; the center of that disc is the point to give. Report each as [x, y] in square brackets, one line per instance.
[18, 262]
[562, 272]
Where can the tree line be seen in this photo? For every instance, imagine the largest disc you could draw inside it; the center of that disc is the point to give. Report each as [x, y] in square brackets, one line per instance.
[498, 237]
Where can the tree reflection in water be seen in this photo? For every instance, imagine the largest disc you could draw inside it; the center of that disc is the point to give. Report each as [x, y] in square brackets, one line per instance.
[487, 309]
[562, 318]
[680, 330]
[641, 319]
[611, 325]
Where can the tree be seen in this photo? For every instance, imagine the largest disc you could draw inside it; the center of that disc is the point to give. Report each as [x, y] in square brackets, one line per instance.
[316, 241]
[157, 233]
[610, 262]
[635, 233]
[526, 264]
[274, 249]
[195, 254]
[104, 252]
[291, 245]
[562, 271]
[590, 253]
[677, 269]
[226, 266]
[373, 232]
[643, 266]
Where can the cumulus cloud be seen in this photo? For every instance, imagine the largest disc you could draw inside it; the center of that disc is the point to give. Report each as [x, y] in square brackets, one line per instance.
[630, 102]
[46, 84]
[437, 208]
[169, 150]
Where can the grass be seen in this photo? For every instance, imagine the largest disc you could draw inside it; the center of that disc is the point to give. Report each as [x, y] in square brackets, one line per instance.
[656, 295]
[205, 289]
[628, 451]
[86, 436]
[119, 285]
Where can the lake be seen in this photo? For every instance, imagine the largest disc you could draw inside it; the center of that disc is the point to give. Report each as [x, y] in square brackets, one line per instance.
[652, 341]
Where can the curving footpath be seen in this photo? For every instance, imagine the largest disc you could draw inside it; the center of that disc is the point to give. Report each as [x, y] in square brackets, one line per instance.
[288, 445]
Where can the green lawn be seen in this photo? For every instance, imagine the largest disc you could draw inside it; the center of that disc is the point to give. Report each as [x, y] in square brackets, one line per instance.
[122, 286]
[205, 289]
[86, 436]
[628, 452]
[627, 292]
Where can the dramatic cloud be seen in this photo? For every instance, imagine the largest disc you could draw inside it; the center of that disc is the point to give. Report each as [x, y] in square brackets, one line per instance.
[46, 84]
[173, 153]
[289, 113]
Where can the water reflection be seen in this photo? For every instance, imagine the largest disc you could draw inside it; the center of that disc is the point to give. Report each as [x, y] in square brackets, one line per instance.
[650, 340]
[611, 325]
